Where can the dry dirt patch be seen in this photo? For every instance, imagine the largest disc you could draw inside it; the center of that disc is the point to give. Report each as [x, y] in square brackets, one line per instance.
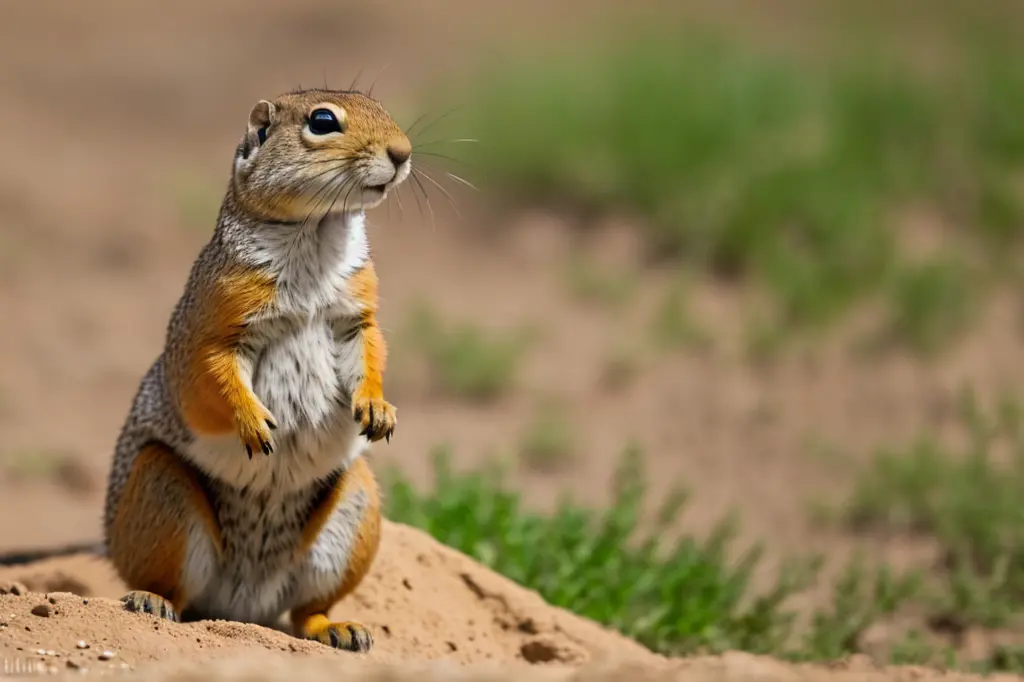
[422, 601]
[437, 615]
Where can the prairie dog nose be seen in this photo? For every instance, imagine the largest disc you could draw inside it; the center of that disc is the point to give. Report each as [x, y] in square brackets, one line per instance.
[399, 152]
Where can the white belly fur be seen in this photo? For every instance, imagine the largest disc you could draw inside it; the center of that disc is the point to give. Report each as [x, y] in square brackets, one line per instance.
[298, 378]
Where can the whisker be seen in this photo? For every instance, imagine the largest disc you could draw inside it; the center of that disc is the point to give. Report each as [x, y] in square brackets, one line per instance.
[464, 181]
[435, 142]
[473, 165]
[451, 199]
[308, 181]
[334, 200]
[438, 119]
[426, 198]
[352, 183]
[317, 198]
[398, 198]
[369, 93]
[417, 198]
[415, 123]
[356, 79]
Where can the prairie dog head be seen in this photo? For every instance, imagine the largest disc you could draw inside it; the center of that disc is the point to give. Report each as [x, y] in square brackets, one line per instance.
[311, 152]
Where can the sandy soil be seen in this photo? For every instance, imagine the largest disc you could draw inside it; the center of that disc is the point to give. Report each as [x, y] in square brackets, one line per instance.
[119, 123]
[435, 615]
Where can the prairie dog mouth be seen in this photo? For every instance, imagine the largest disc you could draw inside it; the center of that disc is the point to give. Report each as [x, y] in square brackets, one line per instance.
[377, 188]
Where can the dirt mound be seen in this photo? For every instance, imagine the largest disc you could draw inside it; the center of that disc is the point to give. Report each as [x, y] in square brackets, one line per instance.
[422, 601]
[436, 614]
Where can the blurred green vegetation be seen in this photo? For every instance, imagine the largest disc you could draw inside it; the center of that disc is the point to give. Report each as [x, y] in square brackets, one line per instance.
[966, 500]
[763, 167]
[466, 362]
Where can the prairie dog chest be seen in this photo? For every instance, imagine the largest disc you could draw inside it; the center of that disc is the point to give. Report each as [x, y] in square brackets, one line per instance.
[304, 351]
[304, 370]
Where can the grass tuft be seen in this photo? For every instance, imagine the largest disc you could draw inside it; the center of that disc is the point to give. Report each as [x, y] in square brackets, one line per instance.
[966, 500]
[676, 599]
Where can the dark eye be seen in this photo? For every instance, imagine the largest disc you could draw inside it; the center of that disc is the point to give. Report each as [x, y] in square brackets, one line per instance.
[323, 122]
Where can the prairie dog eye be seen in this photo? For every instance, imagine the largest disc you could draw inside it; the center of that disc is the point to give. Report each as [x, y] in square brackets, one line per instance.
[325, 121]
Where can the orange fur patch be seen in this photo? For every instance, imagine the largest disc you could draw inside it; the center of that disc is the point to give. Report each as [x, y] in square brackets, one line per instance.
[363, 288]
[211, 391]
[358, 477]
[149, 537]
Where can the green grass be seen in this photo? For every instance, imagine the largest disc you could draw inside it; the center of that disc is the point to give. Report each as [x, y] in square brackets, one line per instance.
[612, 566]
[764, 168]
[615, 566]
[966, 500]
[677, 599]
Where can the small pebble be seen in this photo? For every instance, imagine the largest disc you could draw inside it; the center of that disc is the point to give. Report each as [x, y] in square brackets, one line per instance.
[106, 655]
[82, 644]
[41, 610]
[85, 601]
[74, 665]
[41, 652]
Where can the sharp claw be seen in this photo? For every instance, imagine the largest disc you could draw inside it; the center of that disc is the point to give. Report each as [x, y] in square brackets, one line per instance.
[248, 450]
[271, 425]
[267, 449]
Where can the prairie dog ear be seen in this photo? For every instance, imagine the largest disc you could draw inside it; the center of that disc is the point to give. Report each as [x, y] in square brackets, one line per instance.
[261, 117]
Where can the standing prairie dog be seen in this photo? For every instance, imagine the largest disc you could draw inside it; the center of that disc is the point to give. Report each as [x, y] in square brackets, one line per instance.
[238, 488]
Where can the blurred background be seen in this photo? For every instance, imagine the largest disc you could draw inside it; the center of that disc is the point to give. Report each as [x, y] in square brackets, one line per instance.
[773, 249]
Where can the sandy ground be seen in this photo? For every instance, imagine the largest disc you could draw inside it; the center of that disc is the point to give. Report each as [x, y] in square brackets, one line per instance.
[119, 120]
[435, 615]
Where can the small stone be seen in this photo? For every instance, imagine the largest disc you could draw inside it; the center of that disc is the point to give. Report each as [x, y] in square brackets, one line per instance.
[41, 610]
[86, 601]
[41, 652]
[106, 655]
[74, 665]
[51, 652]
[52, 600]
[82, 644]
